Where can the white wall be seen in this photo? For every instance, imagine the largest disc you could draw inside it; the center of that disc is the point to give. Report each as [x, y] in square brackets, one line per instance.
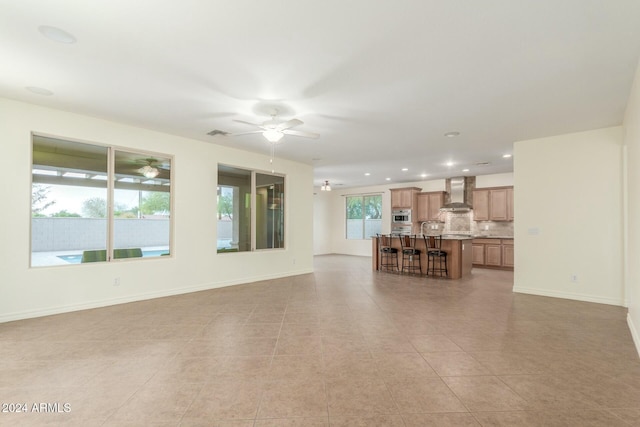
[322, 221]
[568, 205]
[495, 180]
[632, 142]
[28, 292]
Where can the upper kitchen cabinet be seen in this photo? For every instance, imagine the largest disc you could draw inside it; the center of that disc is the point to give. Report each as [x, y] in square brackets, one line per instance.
[510, 204]
[404, 198]
[428, 206]
[481, 205]
[498, 205]
[493, 204]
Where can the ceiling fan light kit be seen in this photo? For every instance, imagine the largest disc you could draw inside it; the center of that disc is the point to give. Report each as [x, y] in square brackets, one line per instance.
[272, 135]
[149, 171]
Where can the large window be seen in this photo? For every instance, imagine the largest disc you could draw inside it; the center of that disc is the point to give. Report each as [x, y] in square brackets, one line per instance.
[92, 203]
[250, 210]
[364, 216]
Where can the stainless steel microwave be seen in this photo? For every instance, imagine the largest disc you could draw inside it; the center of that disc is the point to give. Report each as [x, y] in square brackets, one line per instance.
[401, 216]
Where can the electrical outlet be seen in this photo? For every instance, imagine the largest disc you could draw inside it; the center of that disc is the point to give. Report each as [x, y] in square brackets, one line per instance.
[574, 278]
[116, 281]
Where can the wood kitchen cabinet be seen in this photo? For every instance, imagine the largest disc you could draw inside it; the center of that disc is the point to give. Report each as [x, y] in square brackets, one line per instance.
[493, 253]
[428, 206]
[477, 254]
[481, 205]
[507, 253]
[403, 198]
[493, 204]
[498, 205]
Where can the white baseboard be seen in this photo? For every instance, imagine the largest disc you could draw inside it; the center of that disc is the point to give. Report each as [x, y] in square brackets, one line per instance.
[634, 333]
[568, 295]
[144, 296]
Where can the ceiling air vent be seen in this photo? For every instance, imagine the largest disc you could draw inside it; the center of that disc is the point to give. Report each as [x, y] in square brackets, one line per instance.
[217, 132]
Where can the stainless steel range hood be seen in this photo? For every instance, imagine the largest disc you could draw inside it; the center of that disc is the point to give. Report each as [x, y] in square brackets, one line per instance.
[458, 194]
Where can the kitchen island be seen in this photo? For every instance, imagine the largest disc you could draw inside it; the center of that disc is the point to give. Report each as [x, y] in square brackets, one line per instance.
[457, 247]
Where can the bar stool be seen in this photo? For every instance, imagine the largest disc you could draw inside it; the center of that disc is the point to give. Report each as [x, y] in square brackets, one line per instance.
[436, 257]
[388, 254]
[410, 254]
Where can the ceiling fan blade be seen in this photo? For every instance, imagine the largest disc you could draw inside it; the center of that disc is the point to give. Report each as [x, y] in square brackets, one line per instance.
[246, 133]
[300, 133]
[247, 123]
[289, 124]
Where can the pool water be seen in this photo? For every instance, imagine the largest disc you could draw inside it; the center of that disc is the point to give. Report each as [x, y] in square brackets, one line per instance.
[71, 259]
[76, 258]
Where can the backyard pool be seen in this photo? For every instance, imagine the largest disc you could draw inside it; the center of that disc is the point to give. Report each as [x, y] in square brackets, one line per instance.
[76, 258]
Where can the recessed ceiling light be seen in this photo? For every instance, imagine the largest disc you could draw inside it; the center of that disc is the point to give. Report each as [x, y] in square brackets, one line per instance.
[367, 174]
[39, 90]
[424, 175]
[56, 34]
[465, 170]
[405, 169]
[451, 134]
[506, 156]
[388, 179]
[449, 164]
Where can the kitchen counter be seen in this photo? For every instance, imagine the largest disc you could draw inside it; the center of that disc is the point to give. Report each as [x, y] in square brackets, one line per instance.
[451, 236]
[456, 236]
[478, 236]
[457, 247]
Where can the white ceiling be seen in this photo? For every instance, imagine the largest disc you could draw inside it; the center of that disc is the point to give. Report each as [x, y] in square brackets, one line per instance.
[381, 81]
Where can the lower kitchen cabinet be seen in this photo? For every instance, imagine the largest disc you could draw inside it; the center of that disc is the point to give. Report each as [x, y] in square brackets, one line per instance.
[507, 253]
[477, 254]
[493, 253]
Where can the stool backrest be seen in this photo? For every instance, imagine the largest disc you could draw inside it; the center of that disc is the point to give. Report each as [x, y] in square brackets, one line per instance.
[384, 240]
[433, 242]
[407, 241]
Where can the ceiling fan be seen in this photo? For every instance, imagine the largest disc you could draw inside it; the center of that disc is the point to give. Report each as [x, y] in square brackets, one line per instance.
[273, 130]
[150, 167]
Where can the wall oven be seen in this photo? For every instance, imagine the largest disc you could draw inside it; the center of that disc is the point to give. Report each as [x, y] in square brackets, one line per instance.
[401, 230]
[401, 216]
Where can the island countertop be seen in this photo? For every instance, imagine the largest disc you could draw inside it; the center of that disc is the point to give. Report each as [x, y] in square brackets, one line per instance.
[450, 236]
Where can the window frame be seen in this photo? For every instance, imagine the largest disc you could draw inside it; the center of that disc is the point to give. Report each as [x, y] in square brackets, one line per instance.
[364, 216]
[253, 207]
[110, 187]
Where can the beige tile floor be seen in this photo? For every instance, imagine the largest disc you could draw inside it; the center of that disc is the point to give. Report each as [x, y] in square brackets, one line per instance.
[345, 346]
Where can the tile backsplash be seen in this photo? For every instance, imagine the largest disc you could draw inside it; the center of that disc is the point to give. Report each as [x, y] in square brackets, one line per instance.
[457, 223]
[463, 223]
[494, 228]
